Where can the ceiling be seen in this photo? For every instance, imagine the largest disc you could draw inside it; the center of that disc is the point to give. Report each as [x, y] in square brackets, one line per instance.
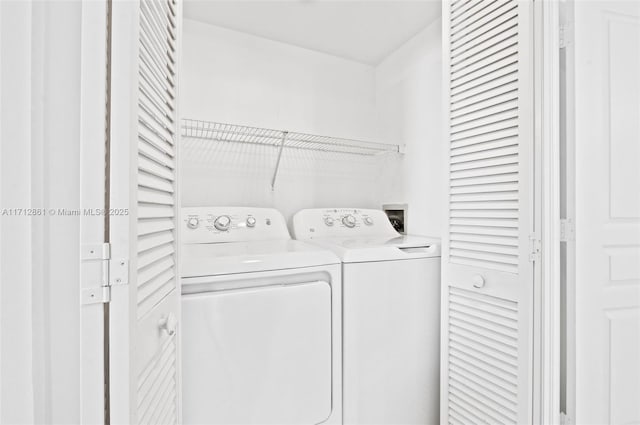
[363, 31]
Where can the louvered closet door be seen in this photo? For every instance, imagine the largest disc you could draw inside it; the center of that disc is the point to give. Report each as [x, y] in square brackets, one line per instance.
[144, 309]
[487, 272]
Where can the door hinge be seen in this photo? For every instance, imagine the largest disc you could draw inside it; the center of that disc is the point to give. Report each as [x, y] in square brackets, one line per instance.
[112, 272]
[535, 247]
[98, 294]
[118, 271]
[564, 419]
[564, 36]
[567, 230]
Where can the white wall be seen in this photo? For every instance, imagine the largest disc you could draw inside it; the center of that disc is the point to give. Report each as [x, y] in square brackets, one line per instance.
[238, 78]
[16, 297]
[39, 168]
[410, 112]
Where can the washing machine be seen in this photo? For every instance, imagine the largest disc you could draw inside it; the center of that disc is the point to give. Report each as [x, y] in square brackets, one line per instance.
[391, 314]
[261, 323]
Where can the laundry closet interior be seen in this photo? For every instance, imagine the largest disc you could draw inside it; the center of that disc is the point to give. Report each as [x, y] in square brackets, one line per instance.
[302, 168]
[334, 108]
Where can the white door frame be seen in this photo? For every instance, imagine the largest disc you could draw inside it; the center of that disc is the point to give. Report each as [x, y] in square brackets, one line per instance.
[547, 290]
[92, 165]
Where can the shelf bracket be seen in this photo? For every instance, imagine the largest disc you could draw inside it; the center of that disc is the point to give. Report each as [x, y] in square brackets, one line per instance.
[275, 170]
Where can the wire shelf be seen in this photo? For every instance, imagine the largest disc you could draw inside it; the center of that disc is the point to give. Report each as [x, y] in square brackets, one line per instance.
[282, 139]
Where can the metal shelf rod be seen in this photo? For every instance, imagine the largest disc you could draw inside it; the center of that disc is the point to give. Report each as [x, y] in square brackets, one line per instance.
[275, 171]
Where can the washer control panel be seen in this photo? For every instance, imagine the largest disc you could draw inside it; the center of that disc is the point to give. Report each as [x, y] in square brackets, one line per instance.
[232, 224]
[338, 222]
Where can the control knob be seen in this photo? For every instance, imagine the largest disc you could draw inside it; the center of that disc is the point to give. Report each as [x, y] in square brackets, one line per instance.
[368, 221]
[251, 221]
[193, 223]
[222, 223]
[328, 221]
[349, 221]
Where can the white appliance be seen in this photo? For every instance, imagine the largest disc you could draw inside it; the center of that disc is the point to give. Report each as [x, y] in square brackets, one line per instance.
[261, 331]
[391, 315]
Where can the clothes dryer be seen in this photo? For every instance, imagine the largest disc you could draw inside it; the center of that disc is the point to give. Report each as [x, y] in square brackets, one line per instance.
[391, 314]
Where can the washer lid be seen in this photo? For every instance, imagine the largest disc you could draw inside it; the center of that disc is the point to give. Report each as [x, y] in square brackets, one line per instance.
[255, 256]
[381, 248]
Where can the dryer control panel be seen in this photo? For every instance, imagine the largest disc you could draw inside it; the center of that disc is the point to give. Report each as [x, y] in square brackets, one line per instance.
[341, 222]
[231, 224]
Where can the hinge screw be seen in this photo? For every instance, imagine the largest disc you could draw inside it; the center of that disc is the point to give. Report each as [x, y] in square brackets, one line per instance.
[118, 280]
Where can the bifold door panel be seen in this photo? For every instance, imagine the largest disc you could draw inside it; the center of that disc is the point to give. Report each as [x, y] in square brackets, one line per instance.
[488, 260]
[258, 355]
[144, 314]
